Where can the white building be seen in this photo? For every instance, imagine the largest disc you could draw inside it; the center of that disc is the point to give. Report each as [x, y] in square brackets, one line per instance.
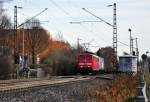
[127, 63]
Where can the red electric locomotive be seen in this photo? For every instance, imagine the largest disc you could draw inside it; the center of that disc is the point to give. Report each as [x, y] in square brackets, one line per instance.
[89, 63]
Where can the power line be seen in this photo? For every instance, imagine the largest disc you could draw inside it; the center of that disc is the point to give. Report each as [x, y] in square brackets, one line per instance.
[59, 7]
[114, 26]
[125, 44]
[54, 3]
[97, 17]
[101, 20]
[79, 22]
[94, 33]
[33, 17]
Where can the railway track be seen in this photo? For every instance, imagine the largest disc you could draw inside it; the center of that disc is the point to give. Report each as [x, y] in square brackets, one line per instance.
[53, 89]
[38, 82]
[23, 84]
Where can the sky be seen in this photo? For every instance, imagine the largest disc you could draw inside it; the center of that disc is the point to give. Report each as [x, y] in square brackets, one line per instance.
[134, 14]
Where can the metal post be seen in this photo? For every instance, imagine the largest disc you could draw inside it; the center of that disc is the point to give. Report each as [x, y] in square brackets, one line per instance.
[115, 36]
[15, 29]
[16, 35]
[132, 45]
[23, 47]
[137, 51]
[130, 40]
[15, 39]
[115, 30]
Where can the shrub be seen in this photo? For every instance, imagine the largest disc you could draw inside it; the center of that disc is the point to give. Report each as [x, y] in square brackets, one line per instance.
[122, 89]
[6, 63]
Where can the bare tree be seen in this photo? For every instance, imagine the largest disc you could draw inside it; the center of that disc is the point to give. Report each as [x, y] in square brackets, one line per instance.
[4, 20]
[37, 38]
[5, 26]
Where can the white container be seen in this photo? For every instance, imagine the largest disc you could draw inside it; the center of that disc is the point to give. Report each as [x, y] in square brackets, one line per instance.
[127, 63]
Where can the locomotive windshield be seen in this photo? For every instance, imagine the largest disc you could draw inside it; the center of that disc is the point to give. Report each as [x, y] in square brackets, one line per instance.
[85, 57]
[81, 57]
[88, 57]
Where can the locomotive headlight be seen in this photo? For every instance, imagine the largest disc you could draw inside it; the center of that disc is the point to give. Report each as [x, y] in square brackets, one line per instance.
[81, 64]
[88, 63]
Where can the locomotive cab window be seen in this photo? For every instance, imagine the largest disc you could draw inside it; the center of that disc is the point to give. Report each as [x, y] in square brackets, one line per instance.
[82, 57]
[89, 58]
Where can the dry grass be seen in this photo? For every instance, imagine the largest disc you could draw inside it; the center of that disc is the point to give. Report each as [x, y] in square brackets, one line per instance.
[122, 89]
[147, 79]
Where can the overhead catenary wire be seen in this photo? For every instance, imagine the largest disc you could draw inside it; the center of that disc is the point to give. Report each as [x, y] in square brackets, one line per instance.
[125, 44]
[79, 22]
[86, 29]
[104, 22]
[32, 17]
[68, 14]
[60, 8]
[97, 17]
[103, 38]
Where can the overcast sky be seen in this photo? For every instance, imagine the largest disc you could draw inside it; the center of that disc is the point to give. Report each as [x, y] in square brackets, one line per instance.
[134, 14]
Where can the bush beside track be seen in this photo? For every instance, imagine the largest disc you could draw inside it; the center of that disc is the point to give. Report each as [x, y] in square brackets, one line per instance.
[122, 89]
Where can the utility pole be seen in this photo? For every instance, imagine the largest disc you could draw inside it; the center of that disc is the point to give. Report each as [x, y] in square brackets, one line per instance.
[23, 55]
[16, 55]
[132, 45]
[115, 29]
[137, 51]
[130, 41]
[115, 36]
[15, 30]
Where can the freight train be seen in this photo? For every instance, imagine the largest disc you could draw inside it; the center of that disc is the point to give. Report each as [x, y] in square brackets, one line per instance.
[89, 63]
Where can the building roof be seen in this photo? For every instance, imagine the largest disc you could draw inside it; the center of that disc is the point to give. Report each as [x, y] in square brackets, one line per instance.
[127, 56]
